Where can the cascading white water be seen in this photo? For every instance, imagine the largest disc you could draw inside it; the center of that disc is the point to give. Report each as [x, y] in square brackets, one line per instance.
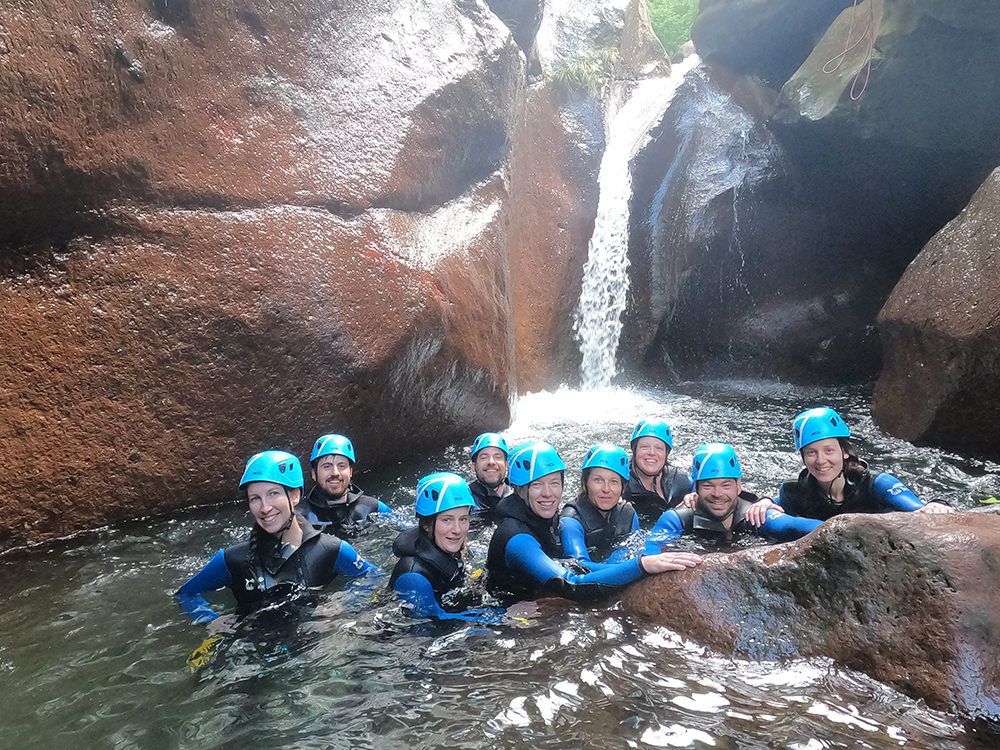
[598, 323]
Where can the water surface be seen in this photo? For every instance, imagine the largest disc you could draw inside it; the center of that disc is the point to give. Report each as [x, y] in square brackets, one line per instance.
[93, 652]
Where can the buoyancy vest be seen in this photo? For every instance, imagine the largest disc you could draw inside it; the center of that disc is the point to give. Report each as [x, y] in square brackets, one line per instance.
[674, 484]
[262, 564]
[515, 517]
[418, 554]
[343, 519]
[602, 533]
[698, 522]
[806, 498]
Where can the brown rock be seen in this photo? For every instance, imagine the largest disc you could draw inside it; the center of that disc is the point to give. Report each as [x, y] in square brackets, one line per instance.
[310, 102]
[130, 389]
[554, 168]
[941, 332]
[910, 599]
[232, 226]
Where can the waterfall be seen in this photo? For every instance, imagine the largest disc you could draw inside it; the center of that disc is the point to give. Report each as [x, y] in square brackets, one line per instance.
[598, 323]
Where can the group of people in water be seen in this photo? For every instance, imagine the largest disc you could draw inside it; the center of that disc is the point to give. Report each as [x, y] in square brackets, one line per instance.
[583, 549]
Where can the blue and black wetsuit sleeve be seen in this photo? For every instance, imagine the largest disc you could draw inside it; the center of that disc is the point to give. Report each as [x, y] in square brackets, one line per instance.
[895, 495]
[524, 554]
[417, 591]
[574, 538]
[350, 563]
[214, 576]
[667, 528]
[383, 508]
[785, 527]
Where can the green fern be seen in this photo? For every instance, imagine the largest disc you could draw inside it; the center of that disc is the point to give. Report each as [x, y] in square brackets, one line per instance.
[672, 21]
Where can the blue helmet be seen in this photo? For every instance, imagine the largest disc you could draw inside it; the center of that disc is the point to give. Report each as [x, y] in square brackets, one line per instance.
[331, 444]
[715, 461]
[279, 467]
[817, 424]
[489, 440]
[606, 456]
[652, 428]
[533, 460]
[442, 491]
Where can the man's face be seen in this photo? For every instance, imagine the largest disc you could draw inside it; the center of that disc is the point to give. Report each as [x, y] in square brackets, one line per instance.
[490, 467]
[718, 497]
[333, 474]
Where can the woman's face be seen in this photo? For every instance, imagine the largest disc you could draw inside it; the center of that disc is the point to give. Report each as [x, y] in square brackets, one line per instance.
[824, 459]
[650, 455]
[604, 488]
[271, 505]
[544, 495]
[451, 529]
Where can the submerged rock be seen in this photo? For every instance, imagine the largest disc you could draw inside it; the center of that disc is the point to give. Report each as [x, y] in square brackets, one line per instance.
[941, 332]
[910, 599]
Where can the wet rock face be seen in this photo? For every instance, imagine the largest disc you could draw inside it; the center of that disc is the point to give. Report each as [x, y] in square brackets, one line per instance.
[921, 95]
[554, 173]
[912, 600]
[942, 340]
[738, 266]
[231, 227]
[522, 17]
[251, 103]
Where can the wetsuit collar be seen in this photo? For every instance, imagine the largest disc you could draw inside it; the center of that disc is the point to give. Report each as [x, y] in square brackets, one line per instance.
[322, 499]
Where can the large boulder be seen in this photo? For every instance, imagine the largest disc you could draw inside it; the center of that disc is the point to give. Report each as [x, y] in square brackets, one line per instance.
[934, 82]
[249, 103]
[232, 226]
[941, 332]
[143, 367]
[767, 38]
[910, 599]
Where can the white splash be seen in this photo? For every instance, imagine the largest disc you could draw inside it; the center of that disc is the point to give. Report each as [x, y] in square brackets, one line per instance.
[598, 322]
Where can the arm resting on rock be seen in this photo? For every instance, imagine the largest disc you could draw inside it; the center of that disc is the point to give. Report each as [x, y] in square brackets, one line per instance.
[784, 527]
[895, 494]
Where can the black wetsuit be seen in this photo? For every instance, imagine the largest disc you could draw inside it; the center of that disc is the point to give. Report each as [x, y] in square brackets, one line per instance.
[487, 500]
[589, 534]
[524, 559]
[864, 492]
[418, 554]
[342, 519]
[674, 483]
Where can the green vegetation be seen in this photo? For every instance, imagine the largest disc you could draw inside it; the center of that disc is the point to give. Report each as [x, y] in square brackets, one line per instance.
[672, 20]
[586, 75]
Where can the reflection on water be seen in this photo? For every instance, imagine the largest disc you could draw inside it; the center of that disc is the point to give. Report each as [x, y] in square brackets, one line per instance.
[93, 650]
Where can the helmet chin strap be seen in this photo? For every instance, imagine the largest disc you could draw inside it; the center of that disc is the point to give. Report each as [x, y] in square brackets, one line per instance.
[827, 489]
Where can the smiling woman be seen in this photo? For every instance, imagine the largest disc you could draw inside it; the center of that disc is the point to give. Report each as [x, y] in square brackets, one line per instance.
[432, 556]
[526, 547]
[835, 480]
[599, 521]
[284, 552]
